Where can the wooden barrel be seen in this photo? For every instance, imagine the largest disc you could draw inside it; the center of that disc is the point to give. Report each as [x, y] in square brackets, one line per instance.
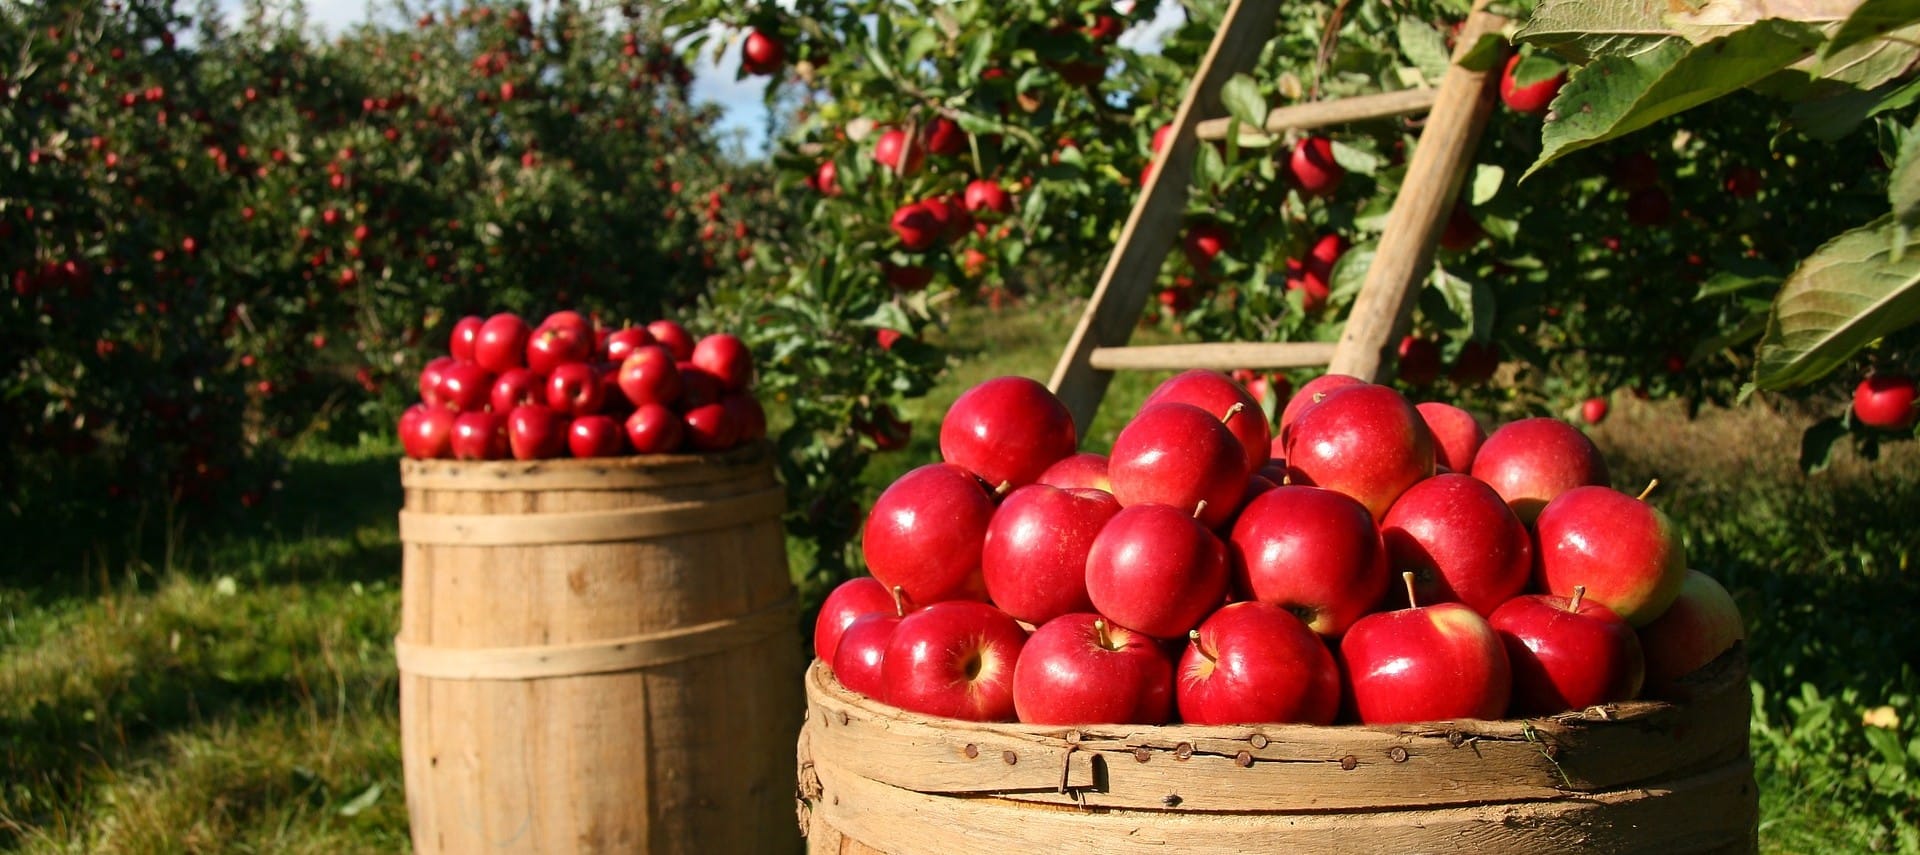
[597, 655]
[1634, 777]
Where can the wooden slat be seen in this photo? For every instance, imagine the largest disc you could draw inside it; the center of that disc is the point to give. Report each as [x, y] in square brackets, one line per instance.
[1220, 356]
[1384, 307]
[1157, 216]
[1321, 114]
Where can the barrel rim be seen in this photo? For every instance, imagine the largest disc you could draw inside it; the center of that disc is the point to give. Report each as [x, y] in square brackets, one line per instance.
[525, 474]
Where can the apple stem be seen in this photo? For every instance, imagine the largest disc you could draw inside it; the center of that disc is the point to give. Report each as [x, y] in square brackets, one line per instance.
[1644, 493]
[1407, 577]
[1579, 591]
[899, 601]
[1193, 635]
[1233, 411]
[1004, 488]
[1200, 509]
[1100, 632]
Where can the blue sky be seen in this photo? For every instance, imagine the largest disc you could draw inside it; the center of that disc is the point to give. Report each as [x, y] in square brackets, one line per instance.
[742, 100]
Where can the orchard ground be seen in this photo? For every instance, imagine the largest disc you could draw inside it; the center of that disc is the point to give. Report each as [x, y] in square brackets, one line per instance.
[234, 689]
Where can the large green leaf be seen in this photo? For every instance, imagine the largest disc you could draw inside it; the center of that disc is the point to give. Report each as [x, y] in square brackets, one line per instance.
[1617, 95]
[1903, 183]
[1241, 96]
[1873, 19]
[1582, 29]
[1842, 297]
[1720, 18]
[1424, 46]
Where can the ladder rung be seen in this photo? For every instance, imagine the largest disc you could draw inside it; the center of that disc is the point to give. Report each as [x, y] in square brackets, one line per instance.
[1340, 111]
[1221, 356]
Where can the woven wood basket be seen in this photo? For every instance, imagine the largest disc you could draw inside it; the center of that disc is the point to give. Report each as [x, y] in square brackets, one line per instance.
[597, 655]
[1634, 777]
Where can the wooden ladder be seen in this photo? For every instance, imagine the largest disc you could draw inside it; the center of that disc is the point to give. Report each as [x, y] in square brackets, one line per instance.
[1457, 112]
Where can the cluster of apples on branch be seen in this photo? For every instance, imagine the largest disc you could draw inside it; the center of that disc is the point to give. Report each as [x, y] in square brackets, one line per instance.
[1370, 560]
[574, 387]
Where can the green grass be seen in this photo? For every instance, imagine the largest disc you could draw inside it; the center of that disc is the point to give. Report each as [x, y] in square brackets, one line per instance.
[231, 689]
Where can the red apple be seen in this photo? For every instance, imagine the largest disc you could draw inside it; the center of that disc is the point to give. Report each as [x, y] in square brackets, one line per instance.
[1312, 551]
[570, 319]
[985, 196]
[1623, 550]
[895, 151]
[1425, 663]
[674, 338]
[426, 432]
[1079, 669]
[1203, 242]
[926, 531]
[710, 427]
[725, 356]
[1007, 430]
[432, 378]
[918, 227]
[1313, 168]
[555, 345]
[650, 376]
[1034, 557]
[1475, 363]
[698, 387]
[535, 432]
[1085, 469]
[1463, 544]
[502, 343]
[954, 659]
[1155, 569]
[1419, 361]
[746, 412]
[516, 386]
[860, 653]
[1311, 392]
[1365, 441]
[622, 343]
[1887, 402]
[1702, 623]
[596, 436]
[762, 54]
[655, 429]
[574, 389]
[466, 332]
[1457, 435]
[944, 137]
[861, 595]
[1256, 663]
[1593, 410]
[480, 435]
[466, 387]
[1530, 461]
[1567, 653]
[1532, 99]
[1218, 394]
[1180, 455]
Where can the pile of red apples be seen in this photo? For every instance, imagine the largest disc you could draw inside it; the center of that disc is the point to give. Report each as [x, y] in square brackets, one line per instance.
[1370, 561]
[570, 387]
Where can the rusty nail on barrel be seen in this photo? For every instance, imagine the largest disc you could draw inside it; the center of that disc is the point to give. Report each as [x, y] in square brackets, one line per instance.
[1258, 740]
[972, 751]
[1553, 750]
[1349, 762]
[1171, 800]
[1142, 755]
[1243, 759]
[1183, 751]
[1398, 754]
[1456, 738]
[1010, 757]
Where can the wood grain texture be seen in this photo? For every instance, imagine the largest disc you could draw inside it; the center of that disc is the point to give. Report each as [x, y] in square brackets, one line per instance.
[1157, 216]
[1321, 114]
[1384, 306]
[1632, 777]
[1220, 356]
[681, 755]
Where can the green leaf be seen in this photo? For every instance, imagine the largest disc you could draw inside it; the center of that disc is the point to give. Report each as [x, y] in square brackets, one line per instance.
[1615, 95]
[1241, 97]
[1841, 298]
[1832, 117]
[1485, 54]
[888, 315]
[1424, 47]
[1903, 183]
[1729, 281]
[1535, 68]
[1746, 331]
[1356, 160]
[1871, 64]
[1816, 444]
[979, 54]
[1486, 183]
[1714, 19]
[1581, 29]
[1350, 273]
[921, 43]
[361, 802]
[1872, 19]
